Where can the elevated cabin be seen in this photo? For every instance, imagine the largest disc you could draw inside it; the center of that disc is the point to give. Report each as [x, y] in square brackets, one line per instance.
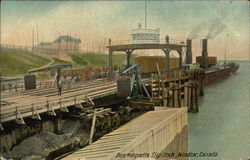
[145, 35]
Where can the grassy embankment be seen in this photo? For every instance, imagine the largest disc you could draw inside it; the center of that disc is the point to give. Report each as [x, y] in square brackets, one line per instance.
[15, 63]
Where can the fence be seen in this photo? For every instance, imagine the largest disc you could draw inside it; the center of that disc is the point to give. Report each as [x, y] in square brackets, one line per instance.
[47, 51]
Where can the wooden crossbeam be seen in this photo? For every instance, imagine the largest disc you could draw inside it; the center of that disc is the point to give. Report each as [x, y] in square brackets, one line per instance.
[19, 118]
[35, 114]
[100, 112]
[50, 110]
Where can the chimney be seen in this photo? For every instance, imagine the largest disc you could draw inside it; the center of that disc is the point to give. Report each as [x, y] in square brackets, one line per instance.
[189, 52]
[204, 54]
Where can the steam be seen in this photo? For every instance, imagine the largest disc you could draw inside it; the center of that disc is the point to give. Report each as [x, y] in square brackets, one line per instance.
[211, 29]
[215, 29]
[195, 33]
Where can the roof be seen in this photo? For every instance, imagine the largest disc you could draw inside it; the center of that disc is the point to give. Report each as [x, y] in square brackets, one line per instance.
[44, 43]
[67, 38]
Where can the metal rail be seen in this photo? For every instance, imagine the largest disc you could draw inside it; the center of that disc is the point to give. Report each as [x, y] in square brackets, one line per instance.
[32, 103]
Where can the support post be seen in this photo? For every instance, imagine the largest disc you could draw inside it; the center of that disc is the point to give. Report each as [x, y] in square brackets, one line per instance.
[89, 99]
[50, 110]
[196, 98]
[77, 104]
[110, 60]
[92, 127]
[180, 58]
[1, 127]
[128, 52]
[63, 108]
[185, 94]
[189, 95]
[175, 95]
[35, 114]
[167, 59]
[19, 118]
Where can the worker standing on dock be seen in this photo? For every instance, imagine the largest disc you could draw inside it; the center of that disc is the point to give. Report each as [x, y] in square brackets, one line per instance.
[60, 86]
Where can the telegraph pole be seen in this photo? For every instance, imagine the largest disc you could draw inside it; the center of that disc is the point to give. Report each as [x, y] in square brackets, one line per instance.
[145, 14]
[225, 48]
[32, 39]
[37, 38]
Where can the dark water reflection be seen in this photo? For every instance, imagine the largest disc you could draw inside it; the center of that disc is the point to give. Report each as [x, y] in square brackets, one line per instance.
[223, 124]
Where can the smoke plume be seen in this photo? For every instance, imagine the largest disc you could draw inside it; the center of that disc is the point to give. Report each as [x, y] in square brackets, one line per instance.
[209, 29]
[215, 29]
[196, 32]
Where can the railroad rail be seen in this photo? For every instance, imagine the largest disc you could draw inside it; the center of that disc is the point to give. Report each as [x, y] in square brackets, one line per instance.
[31, 103]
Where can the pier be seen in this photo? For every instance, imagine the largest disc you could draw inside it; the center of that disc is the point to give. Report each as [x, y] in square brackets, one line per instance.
[31, 103]
[150, 133]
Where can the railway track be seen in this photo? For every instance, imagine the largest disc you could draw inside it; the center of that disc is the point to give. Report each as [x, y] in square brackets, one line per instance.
[31, 103]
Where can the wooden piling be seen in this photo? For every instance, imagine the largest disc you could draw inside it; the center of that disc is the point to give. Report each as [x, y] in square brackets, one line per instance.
[185, 103]
[196, 99]
[92, 127]
[175, 96]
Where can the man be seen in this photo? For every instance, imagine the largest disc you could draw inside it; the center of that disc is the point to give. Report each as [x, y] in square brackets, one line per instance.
[68, 81]
[60, 86]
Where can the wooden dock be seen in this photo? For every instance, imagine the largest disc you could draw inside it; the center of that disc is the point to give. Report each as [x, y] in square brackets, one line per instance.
[31, 103]
[152, 132]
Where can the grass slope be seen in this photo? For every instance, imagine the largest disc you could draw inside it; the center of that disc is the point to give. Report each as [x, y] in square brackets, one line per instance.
[97, 59]
[13, 63]
[59, 61]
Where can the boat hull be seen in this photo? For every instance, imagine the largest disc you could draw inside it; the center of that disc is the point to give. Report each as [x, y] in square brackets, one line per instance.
[215, 75]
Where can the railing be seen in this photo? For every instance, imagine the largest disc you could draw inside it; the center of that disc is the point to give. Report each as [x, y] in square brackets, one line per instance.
[161, 41]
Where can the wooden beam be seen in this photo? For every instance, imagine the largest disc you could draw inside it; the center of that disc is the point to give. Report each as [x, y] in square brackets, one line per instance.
[89, 99]
[50, 110]
[63, 108]
[19, 118]
[92, 127]
[124, 47]
[1, 127]
[35, 114]
[167, 59]
[110, 60]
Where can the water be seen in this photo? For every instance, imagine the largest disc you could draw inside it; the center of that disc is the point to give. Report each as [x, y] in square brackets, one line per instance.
[223, 123]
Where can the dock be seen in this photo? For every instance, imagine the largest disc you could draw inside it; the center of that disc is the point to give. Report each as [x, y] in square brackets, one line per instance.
[31, 103]
[152, 132]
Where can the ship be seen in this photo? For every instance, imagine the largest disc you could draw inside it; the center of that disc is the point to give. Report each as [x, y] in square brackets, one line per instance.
[207, 64]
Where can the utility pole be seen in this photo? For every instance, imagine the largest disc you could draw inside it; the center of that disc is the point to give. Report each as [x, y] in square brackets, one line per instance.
[70, 39]
[145, 14]
[225, 48]
[37, 38]
[58, 43]
[32, 39]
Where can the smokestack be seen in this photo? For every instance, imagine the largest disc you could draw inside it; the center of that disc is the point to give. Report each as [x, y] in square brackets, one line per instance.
[204, 54]
[189, 52]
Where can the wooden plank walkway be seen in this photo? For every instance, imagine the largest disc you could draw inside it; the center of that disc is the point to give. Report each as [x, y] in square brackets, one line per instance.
[46, 99]
[151, 132]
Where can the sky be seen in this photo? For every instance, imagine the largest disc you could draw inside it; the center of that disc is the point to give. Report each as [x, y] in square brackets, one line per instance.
[94, 22]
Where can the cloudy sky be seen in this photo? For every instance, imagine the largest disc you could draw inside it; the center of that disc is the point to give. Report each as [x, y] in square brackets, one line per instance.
[96, 21]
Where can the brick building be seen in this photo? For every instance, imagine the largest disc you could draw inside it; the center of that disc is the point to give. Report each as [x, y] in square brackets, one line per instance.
[63, 44]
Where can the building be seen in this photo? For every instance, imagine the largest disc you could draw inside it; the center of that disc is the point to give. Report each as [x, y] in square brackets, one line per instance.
[63, 44]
